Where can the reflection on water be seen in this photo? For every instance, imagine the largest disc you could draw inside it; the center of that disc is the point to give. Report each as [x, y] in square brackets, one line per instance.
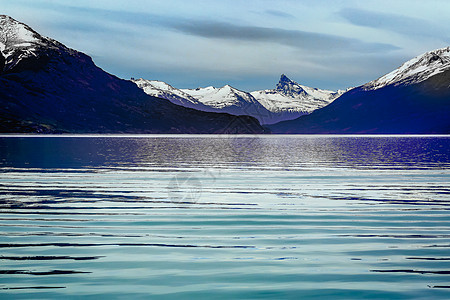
[225, 216]
[217, 151]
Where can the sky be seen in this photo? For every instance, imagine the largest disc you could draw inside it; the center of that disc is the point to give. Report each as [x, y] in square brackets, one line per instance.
[328, 44]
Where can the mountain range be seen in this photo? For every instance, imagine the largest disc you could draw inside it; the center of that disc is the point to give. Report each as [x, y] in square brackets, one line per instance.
[287, 101]
[49, 88]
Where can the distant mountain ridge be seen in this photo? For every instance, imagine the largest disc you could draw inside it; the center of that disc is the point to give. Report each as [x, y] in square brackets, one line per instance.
[49, 88]
[414, 98]
[287, 101]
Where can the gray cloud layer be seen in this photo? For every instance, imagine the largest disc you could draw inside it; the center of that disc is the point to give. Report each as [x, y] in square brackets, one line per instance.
[303, 40]
[278, 13]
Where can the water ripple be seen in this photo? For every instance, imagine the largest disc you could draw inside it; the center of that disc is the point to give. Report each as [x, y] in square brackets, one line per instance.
[298, 217]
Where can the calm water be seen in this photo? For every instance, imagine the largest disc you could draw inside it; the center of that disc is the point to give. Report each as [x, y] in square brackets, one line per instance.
[282, 217]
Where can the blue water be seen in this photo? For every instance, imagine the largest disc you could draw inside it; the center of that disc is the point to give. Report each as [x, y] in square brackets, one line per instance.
[225, 217]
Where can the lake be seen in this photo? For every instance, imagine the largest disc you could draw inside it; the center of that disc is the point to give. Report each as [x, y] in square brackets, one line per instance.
[225, 217]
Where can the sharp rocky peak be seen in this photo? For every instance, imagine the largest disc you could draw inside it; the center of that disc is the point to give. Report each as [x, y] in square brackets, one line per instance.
[288, 87]
[284, 80]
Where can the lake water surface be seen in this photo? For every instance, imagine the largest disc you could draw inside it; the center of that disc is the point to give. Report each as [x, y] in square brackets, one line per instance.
[225, 217]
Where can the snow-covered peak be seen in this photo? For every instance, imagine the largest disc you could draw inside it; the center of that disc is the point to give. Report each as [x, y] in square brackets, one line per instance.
[289, 96]
[14, 34]
[220, 97]
[199, 92]
[19, 45]
[288, 87]
[415, 70]
[164, 90]
[155, 84]
[292, 89]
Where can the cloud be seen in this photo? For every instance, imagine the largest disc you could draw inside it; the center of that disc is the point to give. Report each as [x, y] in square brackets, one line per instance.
[310, 41]
[278, 13]
[404, 25]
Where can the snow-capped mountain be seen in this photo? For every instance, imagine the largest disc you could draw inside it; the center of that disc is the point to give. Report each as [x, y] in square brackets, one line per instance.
[415, 98]
[415, 70]
[17, 38]
[163, 90]
[210, 99]
[223, 97]
[230, 100]
[289, 96]
[21, 47]
[47, 87]
[288, 101]
[226, 99]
